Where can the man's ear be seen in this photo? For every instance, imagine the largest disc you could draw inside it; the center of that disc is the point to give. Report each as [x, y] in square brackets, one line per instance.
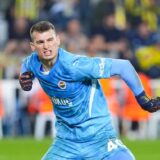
[32, 46]
[58, 40]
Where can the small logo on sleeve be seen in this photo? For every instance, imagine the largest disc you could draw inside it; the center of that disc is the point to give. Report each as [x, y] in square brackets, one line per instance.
[101, 66]
[62, 84]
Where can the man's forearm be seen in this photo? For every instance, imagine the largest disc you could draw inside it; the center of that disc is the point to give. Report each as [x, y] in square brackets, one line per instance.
[125, 70]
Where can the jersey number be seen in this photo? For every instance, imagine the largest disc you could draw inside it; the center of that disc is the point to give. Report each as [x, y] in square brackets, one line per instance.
[114, 144]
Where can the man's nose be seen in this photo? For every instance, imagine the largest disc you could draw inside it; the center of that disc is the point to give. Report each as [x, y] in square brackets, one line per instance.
[45, 45]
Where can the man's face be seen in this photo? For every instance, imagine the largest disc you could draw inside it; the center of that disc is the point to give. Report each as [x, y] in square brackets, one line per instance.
[46, 44]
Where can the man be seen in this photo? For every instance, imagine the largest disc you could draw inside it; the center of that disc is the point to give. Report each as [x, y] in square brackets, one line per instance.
[84, 128]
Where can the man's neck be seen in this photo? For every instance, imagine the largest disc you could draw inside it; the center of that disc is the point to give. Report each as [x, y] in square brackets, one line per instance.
[48, 64]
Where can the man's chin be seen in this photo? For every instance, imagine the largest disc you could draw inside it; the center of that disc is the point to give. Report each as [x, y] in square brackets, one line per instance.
[48, 57]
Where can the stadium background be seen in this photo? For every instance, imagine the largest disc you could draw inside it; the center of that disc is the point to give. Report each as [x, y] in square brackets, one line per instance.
[127, 29]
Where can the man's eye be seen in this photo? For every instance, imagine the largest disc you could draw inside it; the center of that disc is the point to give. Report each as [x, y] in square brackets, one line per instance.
[51, 39]
[39, 42]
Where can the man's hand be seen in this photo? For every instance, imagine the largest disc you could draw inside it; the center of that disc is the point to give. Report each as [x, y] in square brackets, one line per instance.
[25, 80]
[148, 104]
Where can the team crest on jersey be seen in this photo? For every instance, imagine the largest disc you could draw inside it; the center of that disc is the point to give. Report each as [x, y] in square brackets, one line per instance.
[62, 84]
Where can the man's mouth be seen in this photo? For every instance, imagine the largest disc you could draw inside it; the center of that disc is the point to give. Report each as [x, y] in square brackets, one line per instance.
[47, 53]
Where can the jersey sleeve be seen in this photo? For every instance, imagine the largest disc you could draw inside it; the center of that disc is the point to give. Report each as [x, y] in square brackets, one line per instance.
[25, 66]
[125, 70]
[90, 68]
[97, 68]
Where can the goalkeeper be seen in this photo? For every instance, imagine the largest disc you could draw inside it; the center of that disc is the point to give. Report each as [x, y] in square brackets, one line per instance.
[83, 121]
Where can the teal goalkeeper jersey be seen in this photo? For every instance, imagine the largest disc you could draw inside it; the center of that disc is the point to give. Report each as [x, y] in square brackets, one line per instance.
[79, 104]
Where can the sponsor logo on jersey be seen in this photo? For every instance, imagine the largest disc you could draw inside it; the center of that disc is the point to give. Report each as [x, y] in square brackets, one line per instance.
[61, 101]
[62, 84]
[101, 66]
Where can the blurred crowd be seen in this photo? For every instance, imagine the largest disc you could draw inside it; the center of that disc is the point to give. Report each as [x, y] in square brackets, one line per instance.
[127, 29]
